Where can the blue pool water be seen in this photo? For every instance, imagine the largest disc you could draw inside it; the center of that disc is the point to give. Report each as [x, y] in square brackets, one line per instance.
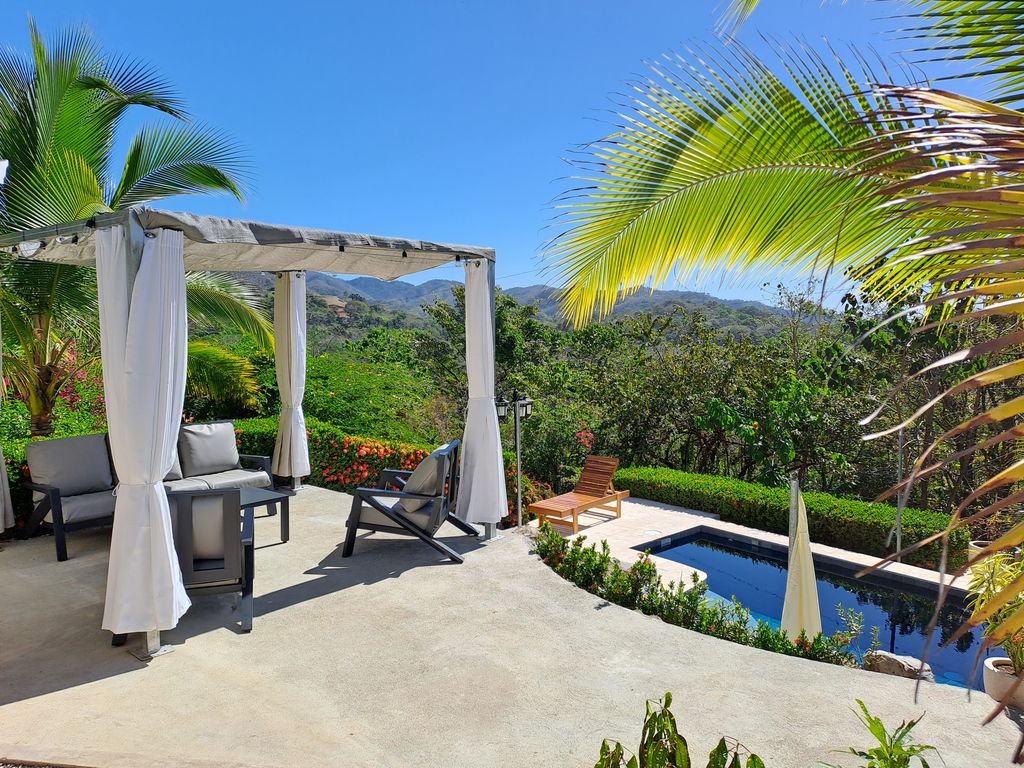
[756, 577]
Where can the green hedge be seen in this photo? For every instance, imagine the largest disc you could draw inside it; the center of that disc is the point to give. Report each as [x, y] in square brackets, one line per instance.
[849, 524]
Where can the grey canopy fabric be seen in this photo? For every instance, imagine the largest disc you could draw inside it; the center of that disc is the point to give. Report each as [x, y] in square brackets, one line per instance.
[231, 245]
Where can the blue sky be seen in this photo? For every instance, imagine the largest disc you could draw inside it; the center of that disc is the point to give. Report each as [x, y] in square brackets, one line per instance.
[441, 120]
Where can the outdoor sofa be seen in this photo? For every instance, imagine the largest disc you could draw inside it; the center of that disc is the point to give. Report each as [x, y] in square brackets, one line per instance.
[73, 480]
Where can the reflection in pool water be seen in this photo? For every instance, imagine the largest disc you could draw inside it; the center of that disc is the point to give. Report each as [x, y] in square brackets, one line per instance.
[757, 578]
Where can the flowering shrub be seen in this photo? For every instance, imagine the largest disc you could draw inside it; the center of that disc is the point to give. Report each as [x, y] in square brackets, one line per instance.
[337, 461]
[84, 390]
[640, 587]
[847, 523]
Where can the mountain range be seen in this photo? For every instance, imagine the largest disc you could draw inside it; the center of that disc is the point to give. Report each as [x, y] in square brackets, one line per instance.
[729, 316]
[401, 296]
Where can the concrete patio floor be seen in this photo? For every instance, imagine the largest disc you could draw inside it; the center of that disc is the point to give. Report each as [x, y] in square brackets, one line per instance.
[396, 658]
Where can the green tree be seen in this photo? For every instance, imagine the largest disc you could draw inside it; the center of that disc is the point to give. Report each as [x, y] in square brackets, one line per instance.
[60, 109]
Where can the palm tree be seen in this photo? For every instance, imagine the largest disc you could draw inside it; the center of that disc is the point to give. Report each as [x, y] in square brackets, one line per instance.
[60, 110]
[912, 189]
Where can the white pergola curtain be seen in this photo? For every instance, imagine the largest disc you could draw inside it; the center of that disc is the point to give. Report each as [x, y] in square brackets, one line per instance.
[291, 452]
[6, 509]
[482, 497]
[143, 337]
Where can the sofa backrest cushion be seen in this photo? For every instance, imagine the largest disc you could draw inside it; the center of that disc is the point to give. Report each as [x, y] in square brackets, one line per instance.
[425, 480]
[208, 528]
[75, 465]
[204, 449]
[175, 473]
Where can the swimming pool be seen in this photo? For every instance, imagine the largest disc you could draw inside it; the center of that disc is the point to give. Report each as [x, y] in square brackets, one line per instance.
[756, 577]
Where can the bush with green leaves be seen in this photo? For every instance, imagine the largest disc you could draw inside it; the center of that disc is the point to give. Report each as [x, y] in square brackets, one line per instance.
[662, 746]
[381, 398]
[847, 523]
[895, 749]
[639, 587]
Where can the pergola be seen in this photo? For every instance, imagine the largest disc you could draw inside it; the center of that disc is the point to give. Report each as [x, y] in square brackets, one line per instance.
[141, 256]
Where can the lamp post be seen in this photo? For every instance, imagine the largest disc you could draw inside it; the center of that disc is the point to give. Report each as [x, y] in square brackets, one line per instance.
[522, 409]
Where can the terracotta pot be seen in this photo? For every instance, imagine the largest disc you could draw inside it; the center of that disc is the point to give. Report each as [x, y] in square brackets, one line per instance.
[999, 679]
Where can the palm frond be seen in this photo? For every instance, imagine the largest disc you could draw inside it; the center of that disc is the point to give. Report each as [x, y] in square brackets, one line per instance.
[983, 33]
[736, 14]
[223, 301]
[62, 292]
[179, 160]
[217, 374]
[718, 162]
[957, 170]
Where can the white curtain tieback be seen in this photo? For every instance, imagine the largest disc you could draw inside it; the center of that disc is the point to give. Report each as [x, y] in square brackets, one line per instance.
[134, 485]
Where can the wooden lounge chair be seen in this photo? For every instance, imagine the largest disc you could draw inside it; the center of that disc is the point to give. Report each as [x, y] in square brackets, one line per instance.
[594, 490]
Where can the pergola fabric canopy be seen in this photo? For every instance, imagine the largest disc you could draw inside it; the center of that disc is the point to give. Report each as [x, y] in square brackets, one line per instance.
[214, 244]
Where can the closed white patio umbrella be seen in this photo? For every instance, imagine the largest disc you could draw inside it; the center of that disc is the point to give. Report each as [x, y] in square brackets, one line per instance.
[800, 610]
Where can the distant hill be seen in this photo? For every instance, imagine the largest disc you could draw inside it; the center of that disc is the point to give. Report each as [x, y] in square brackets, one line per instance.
[731, 316]
[735, 315]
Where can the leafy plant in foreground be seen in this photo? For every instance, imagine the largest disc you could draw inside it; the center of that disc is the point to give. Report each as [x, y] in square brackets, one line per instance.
[894, 750]
[661, 746]
[988, 586]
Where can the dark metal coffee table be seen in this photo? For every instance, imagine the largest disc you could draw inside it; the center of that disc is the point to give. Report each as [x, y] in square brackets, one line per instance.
[269, 498]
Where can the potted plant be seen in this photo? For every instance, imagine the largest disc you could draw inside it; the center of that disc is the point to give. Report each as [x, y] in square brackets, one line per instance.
[987, 580]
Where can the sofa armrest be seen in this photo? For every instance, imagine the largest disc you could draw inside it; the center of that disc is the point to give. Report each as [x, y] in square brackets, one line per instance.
[387, 493]
[247, 527]
[49, 490]
[393, 477]
[261, 462]
[50, 503]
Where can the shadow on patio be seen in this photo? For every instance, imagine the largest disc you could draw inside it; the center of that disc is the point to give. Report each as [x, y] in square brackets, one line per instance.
[50, 636]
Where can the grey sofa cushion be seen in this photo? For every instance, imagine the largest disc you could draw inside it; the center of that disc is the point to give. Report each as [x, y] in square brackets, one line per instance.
[175, 473]
[208, 528]
[86, 506]
[75, 465]
[205, 449]
[235, 478]
[185, 484]
[373, 517]
[423, 480]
